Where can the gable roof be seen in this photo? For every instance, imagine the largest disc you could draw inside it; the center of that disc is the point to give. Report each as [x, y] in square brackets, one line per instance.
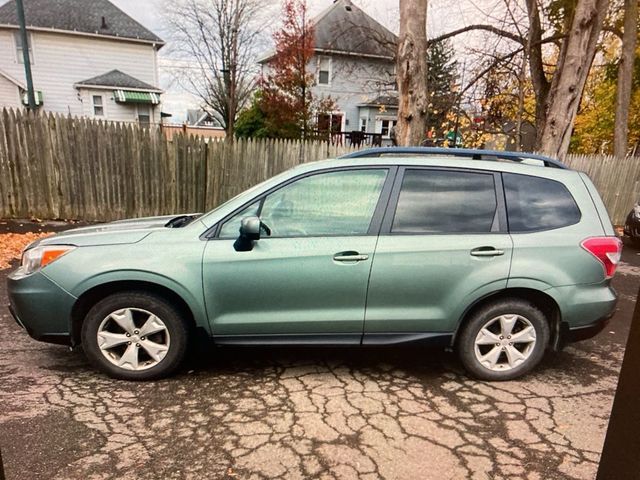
[79, 16]
[117, 79]
[198, 117]
[345, 28]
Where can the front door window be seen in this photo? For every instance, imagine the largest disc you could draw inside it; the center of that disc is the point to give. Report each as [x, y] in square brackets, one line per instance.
[326, 204]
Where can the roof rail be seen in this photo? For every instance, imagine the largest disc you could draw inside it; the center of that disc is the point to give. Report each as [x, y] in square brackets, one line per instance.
[520, 157]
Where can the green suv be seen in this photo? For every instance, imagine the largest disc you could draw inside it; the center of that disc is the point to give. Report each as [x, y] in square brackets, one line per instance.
[499, 256]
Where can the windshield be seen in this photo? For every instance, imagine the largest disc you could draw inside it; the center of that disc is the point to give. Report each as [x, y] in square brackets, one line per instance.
[207, 217]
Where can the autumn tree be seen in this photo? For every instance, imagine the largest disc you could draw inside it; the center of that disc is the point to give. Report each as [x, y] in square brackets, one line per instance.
[597, 121]
[565, 32]
[286, 99]
[411, 68]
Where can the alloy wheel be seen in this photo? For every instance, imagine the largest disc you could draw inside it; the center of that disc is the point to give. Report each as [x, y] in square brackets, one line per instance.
[505, 342]
[133, 339]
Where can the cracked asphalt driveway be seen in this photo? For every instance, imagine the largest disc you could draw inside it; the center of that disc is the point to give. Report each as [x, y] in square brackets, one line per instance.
[309, 413]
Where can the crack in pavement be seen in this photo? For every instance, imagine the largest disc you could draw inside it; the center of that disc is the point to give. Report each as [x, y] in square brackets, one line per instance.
[294, 413]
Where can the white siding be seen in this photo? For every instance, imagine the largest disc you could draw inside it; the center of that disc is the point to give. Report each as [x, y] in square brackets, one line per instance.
[354, 81]
[9, 94]
[113, 111]
[60, 61]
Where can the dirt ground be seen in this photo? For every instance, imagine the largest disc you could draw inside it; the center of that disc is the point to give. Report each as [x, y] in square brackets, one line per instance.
[309, 413]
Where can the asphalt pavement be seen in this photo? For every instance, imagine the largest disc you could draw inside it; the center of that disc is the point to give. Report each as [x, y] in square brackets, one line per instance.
[253, 413]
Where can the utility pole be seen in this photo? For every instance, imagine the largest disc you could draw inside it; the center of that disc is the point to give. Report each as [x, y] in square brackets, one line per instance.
[25, 54]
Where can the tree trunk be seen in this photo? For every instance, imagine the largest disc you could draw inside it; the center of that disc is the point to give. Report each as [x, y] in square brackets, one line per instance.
[576, 57]
[412, 73]
[536, 64]
[625, 77]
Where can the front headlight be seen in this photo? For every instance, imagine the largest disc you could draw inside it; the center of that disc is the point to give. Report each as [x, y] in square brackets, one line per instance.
[34, 259]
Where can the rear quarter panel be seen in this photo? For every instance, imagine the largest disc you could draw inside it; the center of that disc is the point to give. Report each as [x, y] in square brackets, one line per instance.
[555, 257]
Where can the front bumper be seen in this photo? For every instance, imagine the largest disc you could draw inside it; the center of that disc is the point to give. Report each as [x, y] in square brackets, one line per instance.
[41, 307]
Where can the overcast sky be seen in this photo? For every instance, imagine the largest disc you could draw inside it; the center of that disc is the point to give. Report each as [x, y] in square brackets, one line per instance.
[444, 15]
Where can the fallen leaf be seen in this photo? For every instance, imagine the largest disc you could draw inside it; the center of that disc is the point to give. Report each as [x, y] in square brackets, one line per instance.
[12, 244]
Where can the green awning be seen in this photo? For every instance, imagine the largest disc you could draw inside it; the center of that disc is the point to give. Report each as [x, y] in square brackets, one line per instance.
[39, 98]
[127, 96]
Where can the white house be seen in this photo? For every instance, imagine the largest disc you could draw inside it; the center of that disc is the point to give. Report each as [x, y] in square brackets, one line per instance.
[354, 63]
[88, 58]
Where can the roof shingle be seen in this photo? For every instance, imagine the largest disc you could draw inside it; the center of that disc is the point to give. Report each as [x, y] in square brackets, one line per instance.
[117, 79]
[84, 16]
[344, 27]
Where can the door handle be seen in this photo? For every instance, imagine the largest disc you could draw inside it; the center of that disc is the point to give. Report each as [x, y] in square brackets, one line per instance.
[486, 252]
[350, 256]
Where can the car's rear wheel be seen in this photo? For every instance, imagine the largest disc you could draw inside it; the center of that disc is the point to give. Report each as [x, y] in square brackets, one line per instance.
[503, 340]
[135, 336]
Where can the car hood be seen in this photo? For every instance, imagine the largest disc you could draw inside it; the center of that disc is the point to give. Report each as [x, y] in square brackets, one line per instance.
[113, 233]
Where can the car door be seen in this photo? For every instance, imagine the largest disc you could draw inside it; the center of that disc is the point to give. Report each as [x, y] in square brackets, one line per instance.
[443, 243]
[306, 282]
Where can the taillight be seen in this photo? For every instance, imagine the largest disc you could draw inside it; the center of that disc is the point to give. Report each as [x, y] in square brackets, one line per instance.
[607, 250]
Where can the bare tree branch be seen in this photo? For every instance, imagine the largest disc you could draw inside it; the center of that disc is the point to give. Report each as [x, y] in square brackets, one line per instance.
[218, 41]
[489, 28]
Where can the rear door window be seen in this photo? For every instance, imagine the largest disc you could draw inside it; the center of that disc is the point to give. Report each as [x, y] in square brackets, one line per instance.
[535, 204]
[441, 201]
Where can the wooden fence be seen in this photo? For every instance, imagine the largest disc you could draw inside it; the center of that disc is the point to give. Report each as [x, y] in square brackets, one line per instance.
[58, 167]
[617, 181]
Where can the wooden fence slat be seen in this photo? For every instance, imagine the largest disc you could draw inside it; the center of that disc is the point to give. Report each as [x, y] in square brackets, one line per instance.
[55, 166]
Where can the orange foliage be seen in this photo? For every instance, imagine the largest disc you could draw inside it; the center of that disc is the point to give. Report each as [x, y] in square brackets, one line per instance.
[12, 244]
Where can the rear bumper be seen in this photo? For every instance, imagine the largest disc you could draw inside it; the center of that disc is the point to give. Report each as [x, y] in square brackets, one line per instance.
[41, 307]
[583, 332]
[585, 311]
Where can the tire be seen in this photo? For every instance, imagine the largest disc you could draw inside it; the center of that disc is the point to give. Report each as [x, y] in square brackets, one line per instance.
[492, 355]
[135, 336]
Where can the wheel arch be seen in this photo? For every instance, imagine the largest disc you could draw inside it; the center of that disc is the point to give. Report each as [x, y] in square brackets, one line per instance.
[545, 302]
[98, 292]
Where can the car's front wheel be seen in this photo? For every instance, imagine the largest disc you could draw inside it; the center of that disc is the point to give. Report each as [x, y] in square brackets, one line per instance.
[135, 336]
[503, 340]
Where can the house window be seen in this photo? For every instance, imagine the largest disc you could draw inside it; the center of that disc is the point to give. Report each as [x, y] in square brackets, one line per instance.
[324, 70]
[329, 123]
[19, 50]
[144, 115]
[386, 126]
[363, 124]
[98, 106]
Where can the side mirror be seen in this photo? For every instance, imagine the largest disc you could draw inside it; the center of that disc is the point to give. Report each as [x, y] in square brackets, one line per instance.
[250, 228]
[249, 233]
